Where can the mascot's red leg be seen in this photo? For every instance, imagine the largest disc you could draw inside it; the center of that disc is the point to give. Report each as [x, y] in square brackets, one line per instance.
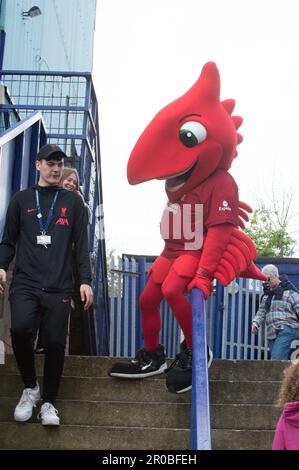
[167, 278]
[173, 289]
[149, 302]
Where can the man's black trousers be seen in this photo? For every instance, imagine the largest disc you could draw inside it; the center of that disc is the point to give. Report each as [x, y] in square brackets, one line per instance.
[27, 305]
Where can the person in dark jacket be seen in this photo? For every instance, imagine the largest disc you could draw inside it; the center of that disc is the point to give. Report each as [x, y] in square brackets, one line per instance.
[42, 224]
[287, 429]
[69, 181]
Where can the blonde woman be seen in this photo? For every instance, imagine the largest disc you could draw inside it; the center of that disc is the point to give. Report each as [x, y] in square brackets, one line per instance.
[70, 180]
[287, 429]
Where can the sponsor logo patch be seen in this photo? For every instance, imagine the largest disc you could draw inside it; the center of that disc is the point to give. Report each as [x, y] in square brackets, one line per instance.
[63, 220]
[224, 207]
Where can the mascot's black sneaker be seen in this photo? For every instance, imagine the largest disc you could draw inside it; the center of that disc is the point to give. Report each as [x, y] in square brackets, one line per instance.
[145, 364]
[179, 373]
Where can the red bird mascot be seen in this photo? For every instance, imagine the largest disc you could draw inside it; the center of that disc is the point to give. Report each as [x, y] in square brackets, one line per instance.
[191, 144]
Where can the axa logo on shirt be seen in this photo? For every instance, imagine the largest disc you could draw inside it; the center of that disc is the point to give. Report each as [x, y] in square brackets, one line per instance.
[225, 206]
[63, 220]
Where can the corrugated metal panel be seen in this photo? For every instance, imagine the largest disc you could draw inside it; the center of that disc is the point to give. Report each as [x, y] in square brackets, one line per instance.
[61, 38]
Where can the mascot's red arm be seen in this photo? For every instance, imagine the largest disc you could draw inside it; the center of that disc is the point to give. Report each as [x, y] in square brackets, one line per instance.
[191, 143]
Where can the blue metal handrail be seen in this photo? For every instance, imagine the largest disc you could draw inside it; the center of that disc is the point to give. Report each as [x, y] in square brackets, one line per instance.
[18, 147]
[200, 411]
[20, 127]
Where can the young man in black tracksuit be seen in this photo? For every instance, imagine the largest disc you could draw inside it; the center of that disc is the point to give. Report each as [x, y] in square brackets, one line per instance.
[42, 224]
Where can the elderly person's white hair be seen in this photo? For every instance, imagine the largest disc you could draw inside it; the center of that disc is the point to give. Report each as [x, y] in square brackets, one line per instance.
[270, 270]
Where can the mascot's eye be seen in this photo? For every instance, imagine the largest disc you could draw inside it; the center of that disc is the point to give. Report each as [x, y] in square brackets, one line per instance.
[192, 133]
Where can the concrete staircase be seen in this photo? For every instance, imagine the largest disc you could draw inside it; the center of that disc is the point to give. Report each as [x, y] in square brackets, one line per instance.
[98, 412]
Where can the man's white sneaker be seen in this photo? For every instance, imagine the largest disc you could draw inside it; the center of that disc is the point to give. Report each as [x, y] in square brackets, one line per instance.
[48, 415]
[28, 401]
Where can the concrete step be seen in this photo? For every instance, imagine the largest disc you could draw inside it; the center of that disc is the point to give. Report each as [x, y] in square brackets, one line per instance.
[88, 366]
[102, 389]
[149, 390]
[105, 413]
[234, 392]
[75, 366]
[247, 370]
[140, 414]
[244, 417]
[236, 439]
[35, 436]
[98, 412]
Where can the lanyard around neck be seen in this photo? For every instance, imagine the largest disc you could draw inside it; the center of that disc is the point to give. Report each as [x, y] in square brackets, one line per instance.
[44, 228]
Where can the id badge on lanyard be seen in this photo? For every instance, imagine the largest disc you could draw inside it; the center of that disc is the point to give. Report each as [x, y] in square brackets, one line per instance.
[44, 239]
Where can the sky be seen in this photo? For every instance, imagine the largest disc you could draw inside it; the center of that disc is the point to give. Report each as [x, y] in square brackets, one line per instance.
[149, 52]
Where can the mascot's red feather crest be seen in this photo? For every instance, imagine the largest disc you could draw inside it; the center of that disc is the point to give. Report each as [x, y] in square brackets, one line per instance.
[188, 139]
[191, 143]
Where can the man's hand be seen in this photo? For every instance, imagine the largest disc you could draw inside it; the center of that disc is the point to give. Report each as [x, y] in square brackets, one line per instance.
[86, 295]
[254, 328]
[2, 281]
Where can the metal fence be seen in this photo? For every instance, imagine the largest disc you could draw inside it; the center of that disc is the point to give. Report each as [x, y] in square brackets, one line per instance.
[127, 280]
[229, 313]
[240, 304]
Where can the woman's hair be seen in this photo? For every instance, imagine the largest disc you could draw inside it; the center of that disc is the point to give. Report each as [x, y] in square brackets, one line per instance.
[66, 173]
[289, 390]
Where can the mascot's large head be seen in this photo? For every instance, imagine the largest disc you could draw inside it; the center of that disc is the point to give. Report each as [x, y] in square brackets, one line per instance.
[188, 139]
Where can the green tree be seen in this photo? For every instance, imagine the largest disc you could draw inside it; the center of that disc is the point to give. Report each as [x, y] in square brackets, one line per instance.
[268, 229]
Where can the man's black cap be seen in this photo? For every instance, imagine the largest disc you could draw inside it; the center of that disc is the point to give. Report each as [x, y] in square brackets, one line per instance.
[50, 152]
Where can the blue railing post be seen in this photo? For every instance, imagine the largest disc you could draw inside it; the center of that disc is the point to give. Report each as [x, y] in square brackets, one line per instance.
[200, 413]
[2, 47]
[218, 324]
[141, 286]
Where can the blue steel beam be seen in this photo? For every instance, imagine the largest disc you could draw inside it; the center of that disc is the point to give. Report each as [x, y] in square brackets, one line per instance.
[43, 107]
[47, 73]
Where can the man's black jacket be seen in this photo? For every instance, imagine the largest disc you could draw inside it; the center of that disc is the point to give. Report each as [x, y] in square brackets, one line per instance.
[48, 268]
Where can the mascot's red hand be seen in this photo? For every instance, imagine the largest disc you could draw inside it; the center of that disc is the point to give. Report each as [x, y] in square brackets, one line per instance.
[214, 245]
[203, 283]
